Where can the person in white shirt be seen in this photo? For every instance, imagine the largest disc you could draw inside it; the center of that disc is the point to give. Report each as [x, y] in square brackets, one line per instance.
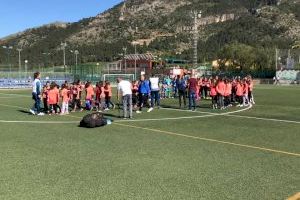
[155, 97]
[125, 90]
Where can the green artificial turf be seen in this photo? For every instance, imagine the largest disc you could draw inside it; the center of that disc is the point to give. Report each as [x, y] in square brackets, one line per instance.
[146, 159]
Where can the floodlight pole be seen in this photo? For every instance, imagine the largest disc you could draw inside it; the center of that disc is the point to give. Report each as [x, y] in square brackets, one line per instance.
[76, 57]
[26, 62]
[276, 59]
[8, 48]
[196, 15]
[20, 64]
[136, 29]
[63, 46]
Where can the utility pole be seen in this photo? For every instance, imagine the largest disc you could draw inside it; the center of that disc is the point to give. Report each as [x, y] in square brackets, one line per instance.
[136, 29]
[196, 15]
[20, 64]
[63, 47]
[8, 49]
[26, 62]
[276, 59]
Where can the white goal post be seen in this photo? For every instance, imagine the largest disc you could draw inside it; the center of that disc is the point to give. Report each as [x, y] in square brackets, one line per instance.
[112, 78]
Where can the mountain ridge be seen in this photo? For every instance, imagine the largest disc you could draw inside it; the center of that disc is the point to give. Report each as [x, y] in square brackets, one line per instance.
[164, 27]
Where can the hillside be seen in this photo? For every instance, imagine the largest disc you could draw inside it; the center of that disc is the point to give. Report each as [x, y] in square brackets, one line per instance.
[164, 27]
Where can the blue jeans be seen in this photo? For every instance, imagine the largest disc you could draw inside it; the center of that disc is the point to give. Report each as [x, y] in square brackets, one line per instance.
[192, 100]
[155, 96]
[37, 102]
[127, 104]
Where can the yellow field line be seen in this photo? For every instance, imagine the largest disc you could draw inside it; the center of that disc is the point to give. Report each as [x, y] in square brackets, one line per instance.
[210, 140]
[189, 136]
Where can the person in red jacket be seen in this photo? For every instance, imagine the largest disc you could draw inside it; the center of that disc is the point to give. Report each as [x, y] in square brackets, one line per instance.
[245, 93]
[213, 94]
[53, 98]
[228, 91]
[221, 93]
[192, 91]
[239, 92]
[251, 86]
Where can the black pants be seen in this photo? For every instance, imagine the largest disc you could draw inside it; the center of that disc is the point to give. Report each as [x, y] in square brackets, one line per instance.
[204, 91]
[182, 97]
[77, 103]
[143, 101]
[45, 105]
[53, 107]
[214, 100]
[134, 99]
[220, 101]
[227, 100]
[240, 99]
[108, 102]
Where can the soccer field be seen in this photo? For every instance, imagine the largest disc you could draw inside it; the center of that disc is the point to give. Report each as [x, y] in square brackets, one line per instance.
[238, 153]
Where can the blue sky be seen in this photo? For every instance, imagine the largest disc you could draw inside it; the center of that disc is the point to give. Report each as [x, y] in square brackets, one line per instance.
[18, 15]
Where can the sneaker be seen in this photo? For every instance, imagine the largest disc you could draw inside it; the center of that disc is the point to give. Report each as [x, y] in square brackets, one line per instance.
[32, 112]
[138, 112]
[150, 109]
[41, 114]
[106, 109]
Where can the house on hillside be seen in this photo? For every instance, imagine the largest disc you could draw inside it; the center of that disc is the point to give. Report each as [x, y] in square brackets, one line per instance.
[144, 62]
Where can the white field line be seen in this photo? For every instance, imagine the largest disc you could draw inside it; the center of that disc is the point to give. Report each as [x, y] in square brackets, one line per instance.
[210, 114]
[242, 116]
[265, 119]
[40, 122]
[188, 117]
[18, 95]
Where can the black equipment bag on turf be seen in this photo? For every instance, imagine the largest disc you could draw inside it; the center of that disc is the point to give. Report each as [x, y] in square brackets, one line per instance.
[93, 120]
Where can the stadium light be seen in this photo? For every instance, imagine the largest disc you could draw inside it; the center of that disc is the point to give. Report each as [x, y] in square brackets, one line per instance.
[26, 62]
[20, 64]
[8, 49]
[196, 15]
[63, 47]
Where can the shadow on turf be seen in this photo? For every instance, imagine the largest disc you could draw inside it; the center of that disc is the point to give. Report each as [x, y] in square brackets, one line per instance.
[176, 107]
[25, 112]
[111, 115]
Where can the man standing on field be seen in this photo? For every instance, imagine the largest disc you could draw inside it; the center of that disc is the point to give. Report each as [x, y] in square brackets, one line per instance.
[124, 89]
[192, 86]
[36, 94]
[155, 97]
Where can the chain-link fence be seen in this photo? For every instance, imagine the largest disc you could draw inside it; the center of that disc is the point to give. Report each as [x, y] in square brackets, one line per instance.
[287, 59]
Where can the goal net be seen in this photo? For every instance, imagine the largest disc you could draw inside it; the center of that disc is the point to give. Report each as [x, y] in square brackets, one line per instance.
[112, 78]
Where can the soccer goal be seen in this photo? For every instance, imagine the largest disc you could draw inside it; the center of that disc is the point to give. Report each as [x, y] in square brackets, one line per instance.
[112, 78]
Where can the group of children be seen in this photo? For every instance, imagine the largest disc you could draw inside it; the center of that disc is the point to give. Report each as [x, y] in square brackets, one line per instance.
[68, 97]
[222, 91]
